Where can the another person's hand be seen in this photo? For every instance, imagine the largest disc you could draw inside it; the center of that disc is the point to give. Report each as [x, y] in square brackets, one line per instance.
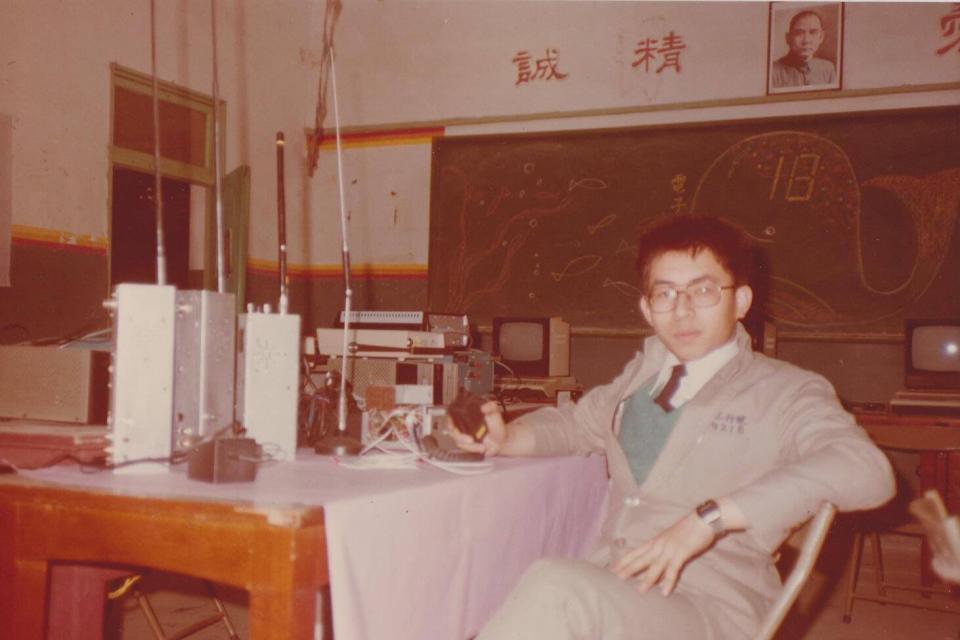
[662, 558]
[496, 432]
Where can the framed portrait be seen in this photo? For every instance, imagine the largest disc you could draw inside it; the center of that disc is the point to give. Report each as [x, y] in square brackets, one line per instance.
[805, 47]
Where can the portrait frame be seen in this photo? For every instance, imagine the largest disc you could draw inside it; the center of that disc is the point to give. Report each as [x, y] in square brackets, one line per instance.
[784, 73]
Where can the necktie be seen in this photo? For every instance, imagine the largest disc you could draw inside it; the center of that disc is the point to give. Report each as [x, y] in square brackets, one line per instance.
[663, 398]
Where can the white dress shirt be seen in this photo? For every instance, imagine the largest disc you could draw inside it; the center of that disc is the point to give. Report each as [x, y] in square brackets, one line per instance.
[699, 372]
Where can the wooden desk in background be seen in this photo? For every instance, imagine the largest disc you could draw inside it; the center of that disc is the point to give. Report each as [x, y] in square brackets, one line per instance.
[523, 395]
[938, 470]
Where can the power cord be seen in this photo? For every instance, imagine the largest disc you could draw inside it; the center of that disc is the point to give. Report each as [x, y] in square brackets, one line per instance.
[95, 464]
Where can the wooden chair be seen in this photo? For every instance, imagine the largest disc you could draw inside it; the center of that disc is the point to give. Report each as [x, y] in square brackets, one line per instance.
[815, 534]
[917, 438]
[129, 587]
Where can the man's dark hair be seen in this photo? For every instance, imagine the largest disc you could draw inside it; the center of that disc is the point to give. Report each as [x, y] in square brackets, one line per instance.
[692, 233]
[804, 13]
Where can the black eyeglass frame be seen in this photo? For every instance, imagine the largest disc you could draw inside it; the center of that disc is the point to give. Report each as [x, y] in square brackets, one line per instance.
[675, 299]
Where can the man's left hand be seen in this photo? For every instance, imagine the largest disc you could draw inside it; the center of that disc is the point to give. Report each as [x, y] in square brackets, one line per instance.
[661, 558]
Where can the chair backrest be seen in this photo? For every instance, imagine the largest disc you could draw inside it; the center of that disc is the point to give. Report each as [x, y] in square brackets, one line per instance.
[914, 437]
[943, 534]
[817, 529]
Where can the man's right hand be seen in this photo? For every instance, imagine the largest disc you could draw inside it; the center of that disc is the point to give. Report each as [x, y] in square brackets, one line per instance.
[496, 435]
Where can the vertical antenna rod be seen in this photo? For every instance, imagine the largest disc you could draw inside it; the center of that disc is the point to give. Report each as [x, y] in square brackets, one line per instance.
[157, 182]
[347, 291]
[282, 225]
[221, 261]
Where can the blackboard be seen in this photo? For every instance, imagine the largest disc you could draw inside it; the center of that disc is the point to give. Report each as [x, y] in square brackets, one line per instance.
[855, 216]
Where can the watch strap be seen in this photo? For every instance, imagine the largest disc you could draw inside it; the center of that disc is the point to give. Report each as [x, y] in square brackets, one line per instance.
[709, 512]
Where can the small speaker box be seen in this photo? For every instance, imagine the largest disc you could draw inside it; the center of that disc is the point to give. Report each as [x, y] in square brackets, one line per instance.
[49, 383]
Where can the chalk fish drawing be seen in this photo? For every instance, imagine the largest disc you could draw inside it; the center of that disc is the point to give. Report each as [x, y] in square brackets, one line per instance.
[620, 286]
[605, 222]
[625, 247]
[592, 184]
[577, 267]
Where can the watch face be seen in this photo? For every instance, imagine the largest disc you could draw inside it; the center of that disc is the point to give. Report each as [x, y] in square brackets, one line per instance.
[709, 512]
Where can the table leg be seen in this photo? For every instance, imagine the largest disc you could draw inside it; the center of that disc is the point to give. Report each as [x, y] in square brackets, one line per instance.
[77, 598]
[270, 617]
[8, 541]
[290, 570]
[282, 608]
[28, 607]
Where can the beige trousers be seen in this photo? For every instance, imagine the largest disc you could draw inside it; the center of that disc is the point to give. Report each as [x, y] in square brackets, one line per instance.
[561, 599]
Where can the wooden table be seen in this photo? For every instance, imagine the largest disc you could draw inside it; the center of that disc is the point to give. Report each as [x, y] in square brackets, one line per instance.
[937, 470]
[395, 546]
[277, 554]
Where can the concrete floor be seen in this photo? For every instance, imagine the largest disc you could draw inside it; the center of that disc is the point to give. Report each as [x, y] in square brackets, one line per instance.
[816, 616]
[818, 613]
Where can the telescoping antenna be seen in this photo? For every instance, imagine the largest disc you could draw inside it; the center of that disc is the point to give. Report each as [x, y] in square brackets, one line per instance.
[157, 181]
[341, 444]
[282, 227]
[217, 169]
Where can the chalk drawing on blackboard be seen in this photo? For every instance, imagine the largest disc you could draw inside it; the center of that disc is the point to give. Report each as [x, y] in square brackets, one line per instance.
[493, 207]
[591, 184]
[606, 221]
[492, 261]
[799, 303]
[933, 203]
[627, 289]
[577, 267]
[798, 191]
[856, 216]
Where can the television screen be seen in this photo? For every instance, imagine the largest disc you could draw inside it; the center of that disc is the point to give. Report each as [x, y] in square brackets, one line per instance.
[537, 347]
[522, 341]
[932, 354]
[935, 348]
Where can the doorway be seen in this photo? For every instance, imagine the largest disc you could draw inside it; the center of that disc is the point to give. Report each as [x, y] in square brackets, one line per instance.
[133, 246]
[186, 154]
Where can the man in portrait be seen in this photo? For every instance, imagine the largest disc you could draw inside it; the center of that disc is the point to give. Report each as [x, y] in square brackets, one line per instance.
[801, 67]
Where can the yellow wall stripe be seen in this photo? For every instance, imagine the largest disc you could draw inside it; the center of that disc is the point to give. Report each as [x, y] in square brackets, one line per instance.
[22, 234]
[395, 271]
[60, 240]
[387, 138]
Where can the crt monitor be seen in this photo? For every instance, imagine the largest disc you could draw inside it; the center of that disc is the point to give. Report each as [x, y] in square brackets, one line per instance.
[533, 346]
[932, 350]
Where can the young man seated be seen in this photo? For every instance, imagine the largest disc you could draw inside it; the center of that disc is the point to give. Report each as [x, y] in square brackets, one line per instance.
[714, 452]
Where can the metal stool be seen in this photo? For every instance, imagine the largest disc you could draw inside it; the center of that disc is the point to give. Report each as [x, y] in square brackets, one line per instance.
[913, 438]
[129, 586]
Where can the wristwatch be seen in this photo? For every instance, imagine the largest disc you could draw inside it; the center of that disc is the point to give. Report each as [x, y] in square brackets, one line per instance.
[709, 512]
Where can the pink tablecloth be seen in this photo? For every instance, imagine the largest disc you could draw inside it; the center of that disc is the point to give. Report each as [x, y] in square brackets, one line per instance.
[413, 553]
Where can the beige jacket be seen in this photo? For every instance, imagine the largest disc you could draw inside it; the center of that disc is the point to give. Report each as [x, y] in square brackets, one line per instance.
[769, 435]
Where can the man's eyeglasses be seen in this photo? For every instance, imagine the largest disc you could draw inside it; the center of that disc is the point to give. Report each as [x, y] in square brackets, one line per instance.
[663, 298]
